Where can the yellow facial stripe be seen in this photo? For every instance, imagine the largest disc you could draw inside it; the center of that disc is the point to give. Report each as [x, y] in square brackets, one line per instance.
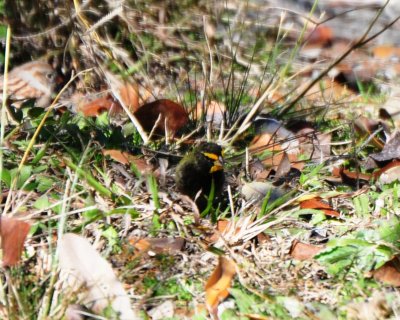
[212, 156]
[216, 167]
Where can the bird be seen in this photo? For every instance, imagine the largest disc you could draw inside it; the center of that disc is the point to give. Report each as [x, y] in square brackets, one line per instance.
[198, 170]
[32, 80]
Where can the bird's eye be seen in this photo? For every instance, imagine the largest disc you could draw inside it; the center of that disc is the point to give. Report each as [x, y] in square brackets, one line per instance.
[50, 75]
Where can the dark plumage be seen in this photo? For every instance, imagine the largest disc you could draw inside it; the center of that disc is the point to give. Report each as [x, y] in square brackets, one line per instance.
[196, 171]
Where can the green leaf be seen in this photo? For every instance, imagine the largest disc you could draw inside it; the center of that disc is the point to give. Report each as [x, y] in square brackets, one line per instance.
[152, 183]
[361, 205]
[354, 254]
[246, 302]
[42, 203]
[89, 178]
[92, 215]
[131, 211]
[3, 28]
[102, 120]
[229, 314]
[44, 183]
[6, 177]
[156, 223]
[389, 231]
[25, 174]
[111, 235]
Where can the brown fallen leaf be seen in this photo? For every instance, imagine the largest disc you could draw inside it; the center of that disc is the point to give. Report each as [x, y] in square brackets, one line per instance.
[93, 104]
[366, 127]
[314, 145]
[320, 35]
[257, 170]
[349, 177]
[222, 227]
[117, 155]
[93, 108]
[130, 96]
[303, 251]
[389, 173]
[158, 245]
[125, 158]
[386, 52]
[13, 233]
[260, 141]
[283, 167]
[389, 273]
[213, 112]
[318, 204]
[256, 317]
[219, 282]
[273, 136]
[328, 90]
[390, 151]
[162, 114]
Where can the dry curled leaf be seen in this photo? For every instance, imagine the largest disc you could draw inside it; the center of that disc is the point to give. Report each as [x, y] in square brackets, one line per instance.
[13, 233]
[320, 35]
[303, 251]
[257, 191]
[219, 282]
[84, 267]
[158, 245]
[366, 127]
[390, 151]
[349, 177]
[213, 112]
[328, 90]
[389, 273]
[97, 106]
[130, 96]
[318, 204]
[272, 135]
[222, 227]
[125, 158]
[314, 145]
[389, 173]
[386, 52]
[162, 115]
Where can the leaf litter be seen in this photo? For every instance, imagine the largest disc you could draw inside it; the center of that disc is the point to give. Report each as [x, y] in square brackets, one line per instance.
[156, 248]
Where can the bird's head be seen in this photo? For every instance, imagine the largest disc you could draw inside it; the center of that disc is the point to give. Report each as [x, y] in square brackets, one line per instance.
[214, 154]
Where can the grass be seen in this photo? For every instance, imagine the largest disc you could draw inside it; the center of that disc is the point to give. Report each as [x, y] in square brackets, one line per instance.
[55, 174]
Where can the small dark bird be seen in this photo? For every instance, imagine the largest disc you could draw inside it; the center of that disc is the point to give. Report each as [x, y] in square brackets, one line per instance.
[196, 171]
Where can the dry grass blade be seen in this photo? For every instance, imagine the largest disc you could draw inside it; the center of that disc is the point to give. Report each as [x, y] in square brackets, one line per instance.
[116, 92]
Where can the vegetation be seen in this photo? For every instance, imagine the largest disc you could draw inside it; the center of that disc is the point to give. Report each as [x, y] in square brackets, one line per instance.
[307, 225]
